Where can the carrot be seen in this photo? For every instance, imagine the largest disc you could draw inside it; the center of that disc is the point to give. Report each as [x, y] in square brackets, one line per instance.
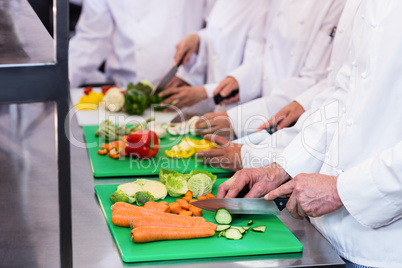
[192, 200]
[185, 212]
[210, 196]
[102, 151]
[189, 194]
[157, 233]
[157, 206]
[175, 207]
[152, 221]
[201, 197]
[186, 198]
[183, 204]
[164, 202]
[196, 211]
[141, 211]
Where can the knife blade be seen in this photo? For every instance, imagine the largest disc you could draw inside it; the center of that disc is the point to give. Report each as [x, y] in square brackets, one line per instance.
[244, 205]
[172, 72]
[198, 109]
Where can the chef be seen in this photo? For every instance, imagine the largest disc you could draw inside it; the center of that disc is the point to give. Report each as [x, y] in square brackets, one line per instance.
[136, 39]
[347, 173]
[231, 44]
[296, 57]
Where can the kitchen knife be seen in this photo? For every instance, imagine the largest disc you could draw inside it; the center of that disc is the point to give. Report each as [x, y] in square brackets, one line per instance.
[167, 78]
[198, 109]
[244, 205]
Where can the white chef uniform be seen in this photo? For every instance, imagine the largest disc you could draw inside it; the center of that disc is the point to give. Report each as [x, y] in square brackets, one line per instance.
[296, 57]
[231, 45]
[136, 38]
[365, 147]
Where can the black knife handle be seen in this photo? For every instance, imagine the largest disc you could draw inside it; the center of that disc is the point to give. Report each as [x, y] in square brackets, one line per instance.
[281, 202]
[218, 98]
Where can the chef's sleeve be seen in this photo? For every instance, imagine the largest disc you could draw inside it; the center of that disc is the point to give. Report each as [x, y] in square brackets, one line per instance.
[92, 42]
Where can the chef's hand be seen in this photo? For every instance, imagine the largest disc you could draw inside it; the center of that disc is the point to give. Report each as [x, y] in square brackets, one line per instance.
[176, 82]
[214, 123]
[226, 157]
[259, 180]
[225, 87]
[186, 47]
[285, 117]
[312, 195]
[183, 96]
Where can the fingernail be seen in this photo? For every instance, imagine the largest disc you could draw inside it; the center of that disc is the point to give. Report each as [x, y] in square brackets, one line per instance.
[266, 197]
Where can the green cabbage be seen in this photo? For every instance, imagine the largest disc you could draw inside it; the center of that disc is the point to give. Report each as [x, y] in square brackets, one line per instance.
[200, 184]
[165, 173]
[210, 175]
[176, 186]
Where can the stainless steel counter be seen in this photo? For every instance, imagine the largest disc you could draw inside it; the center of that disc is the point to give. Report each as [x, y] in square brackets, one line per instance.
[29, 208]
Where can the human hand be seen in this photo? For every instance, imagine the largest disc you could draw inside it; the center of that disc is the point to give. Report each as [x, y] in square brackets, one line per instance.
[312, 195]
[227, 157]
[214, 123]
[176, 82]
[285, 117]
[186, 47]
[183, 96]
[225, 87]
[259, 180]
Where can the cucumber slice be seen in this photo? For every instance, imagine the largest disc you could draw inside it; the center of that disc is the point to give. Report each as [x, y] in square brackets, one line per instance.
[260, 229]
[223, 216]
[222, 233]
[233, 234]
[222, 227]
[246, 228]
[250, 222]
[241, 229]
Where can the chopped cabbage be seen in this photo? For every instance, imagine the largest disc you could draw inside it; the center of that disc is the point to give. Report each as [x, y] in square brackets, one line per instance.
[200, 184]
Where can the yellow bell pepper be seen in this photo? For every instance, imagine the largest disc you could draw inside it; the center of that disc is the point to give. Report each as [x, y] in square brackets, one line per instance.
[188, 147]
[90, 101]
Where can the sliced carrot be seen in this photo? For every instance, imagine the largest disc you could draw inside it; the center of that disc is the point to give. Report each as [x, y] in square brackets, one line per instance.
[157, 206]
[175, 207]
[184, 212]
[134, 210]
[201, 197]
[183, 204]
[210, 196]
[157, 233]
[196, 211]
[187, 198]
[164, 202]
[152, 221]
[104, 146]
[102, 151]
[189, 194]
[192, 200]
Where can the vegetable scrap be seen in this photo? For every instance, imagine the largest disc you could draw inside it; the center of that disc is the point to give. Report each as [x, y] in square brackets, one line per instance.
[188, 147]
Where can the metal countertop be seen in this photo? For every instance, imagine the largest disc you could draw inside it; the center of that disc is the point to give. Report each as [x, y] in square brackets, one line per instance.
[29, 209]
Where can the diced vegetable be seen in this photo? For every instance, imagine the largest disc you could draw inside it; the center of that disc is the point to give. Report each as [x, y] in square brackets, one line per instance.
[223, 216]
[233, 234]
[222, 233]
[260, 229]
[250, 222]
[241, 229]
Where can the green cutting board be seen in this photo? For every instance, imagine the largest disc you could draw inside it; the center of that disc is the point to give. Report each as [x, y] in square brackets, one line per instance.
[276, 239]
[104, 166]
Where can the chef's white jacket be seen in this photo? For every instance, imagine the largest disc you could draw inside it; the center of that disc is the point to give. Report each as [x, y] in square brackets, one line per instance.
[231, 45]
[359, 139]
[296, 57]
[136, 38]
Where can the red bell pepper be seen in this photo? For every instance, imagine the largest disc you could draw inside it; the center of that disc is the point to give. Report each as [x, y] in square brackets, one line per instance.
[87, 90]
[142, 144]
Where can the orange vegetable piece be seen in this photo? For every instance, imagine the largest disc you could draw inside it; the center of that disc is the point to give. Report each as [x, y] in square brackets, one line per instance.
[189, 194]
[210, 196]
[192, 200]
[102, 151]
[169, 222]
[185, 213]
[164, 202]
[187, 198]
[157, 233]
[157, 206]
[196, 211]
[174, 208]
[201, 197]
[183, 204]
